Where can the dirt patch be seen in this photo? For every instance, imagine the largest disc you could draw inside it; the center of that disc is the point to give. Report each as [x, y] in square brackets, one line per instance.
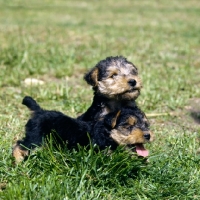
[187, 118]
[194, 109]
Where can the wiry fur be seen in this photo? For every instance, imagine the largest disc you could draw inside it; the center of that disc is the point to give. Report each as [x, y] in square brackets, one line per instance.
[65, 129]
[126, 127]
[116, 84]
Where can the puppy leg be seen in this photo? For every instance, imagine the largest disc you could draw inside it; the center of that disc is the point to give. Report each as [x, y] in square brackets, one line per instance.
[19, 153]
[22, 148]
[33, 138]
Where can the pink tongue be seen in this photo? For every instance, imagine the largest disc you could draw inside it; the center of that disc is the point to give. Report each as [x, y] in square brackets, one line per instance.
[141, 151]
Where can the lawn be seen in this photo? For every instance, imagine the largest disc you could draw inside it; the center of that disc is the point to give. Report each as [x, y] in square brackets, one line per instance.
[57, 42]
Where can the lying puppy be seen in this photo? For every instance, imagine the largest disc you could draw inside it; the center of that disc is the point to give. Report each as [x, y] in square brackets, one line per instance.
[116, 85]
[43, 123]
[126, 127]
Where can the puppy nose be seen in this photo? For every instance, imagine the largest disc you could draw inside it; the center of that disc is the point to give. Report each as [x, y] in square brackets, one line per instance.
[147, 136]
[132, 82]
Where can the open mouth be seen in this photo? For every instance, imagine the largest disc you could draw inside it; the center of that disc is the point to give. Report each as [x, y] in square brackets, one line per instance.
[141, 151]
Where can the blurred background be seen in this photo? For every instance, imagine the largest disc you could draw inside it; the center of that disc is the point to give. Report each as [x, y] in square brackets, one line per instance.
[47, 46]
[57, 40]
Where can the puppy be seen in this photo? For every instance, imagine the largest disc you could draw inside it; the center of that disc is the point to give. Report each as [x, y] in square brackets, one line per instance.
[65, 130]
[126, 127]
[116, 84]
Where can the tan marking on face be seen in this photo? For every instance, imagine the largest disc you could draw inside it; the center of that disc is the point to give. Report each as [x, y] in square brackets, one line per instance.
[122, 70]
[135, 136]
[19, 154]
[117, 83]
[112, 71]
[129, 95]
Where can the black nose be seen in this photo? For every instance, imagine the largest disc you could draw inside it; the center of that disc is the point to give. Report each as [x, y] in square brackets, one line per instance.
[147, 136]
[132, 82]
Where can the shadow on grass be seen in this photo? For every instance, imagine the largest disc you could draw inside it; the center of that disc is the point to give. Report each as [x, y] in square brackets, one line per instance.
[196, 116]
[195, 109]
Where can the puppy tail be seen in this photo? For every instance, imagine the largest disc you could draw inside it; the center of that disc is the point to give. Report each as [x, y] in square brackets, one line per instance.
[31, 103]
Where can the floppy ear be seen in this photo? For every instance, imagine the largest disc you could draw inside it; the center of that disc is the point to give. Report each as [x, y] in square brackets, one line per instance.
[111, 119]
[92, 76]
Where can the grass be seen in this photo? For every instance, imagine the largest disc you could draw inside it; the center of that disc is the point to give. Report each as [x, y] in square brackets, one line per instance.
[57, 42]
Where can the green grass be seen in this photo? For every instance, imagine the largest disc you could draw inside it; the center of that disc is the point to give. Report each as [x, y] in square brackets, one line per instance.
[57, 42]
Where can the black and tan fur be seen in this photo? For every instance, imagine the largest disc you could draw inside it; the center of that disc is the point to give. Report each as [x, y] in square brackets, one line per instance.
[115, 83]
[65, 130]
[116, 86]
[125, 127]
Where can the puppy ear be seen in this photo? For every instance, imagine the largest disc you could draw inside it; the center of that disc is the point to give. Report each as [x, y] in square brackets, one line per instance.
[114, 120]
[111, 119]
[92, 77]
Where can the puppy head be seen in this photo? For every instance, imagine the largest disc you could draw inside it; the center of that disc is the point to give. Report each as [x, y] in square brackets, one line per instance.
[128, 129]
[115, 78]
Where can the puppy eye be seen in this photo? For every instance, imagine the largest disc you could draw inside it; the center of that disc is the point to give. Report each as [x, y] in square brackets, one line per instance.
[134, 72]
[129, 128]
[113, 75]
